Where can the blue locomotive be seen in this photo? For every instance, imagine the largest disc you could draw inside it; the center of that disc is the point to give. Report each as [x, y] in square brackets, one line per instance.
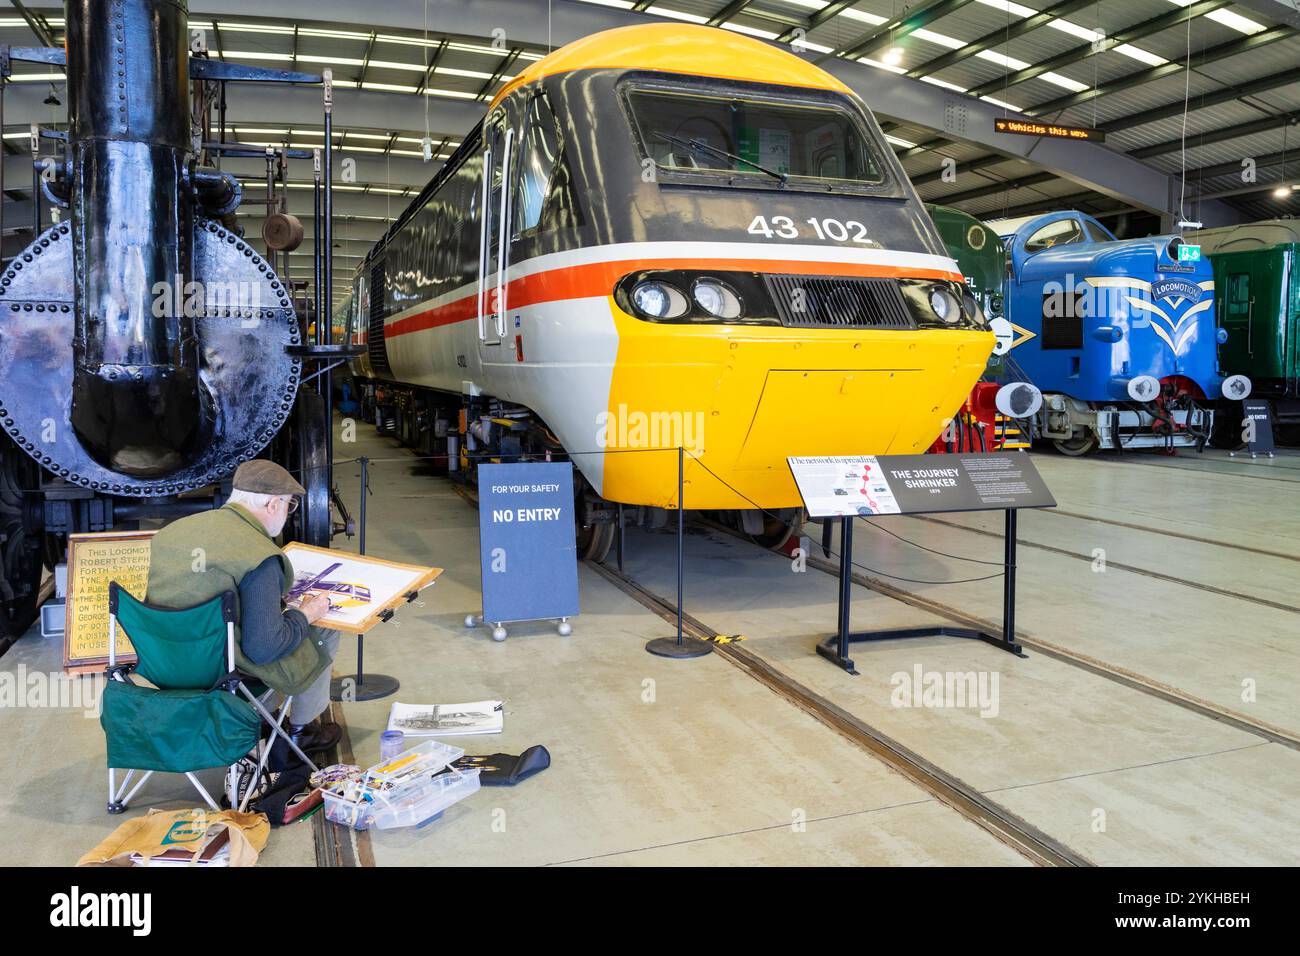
[1118, 334]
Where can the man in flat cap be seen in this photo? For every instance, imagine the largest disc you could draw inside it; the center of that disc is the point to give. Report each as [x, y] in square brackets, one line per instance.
[232, 548]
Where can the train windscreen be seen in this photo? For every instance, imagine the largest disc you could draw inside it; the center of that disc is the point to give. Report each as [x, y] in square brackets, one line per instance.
[741, 136]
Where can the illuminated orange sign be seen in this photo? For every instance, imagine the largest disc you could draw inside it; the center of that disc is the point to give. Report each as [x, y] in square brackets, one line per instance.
[1050, 130]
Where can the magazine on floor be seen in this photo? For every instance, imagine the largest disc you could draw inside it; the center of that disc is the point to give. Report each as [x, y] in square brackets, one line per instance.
[447, 720]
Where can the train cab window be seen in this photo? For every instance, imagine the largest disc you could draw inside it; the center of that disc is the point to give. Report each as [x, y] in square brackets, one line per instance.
[1059, 233]
[757, 139]
[538, 155]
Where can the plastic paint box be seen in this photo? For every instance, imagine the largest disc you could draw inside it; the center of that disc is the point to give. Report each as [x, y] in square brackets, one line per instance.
[403, 791]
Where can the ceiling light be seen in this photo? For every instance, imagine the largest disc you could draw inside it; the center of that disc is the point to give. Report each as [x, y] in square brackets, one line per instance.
[893, 56]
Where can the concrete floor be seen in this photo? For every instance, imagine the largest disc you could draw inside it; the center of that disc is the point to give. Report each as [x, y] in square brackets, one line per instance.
[1203, 616]
[655, 762]
[659, 762]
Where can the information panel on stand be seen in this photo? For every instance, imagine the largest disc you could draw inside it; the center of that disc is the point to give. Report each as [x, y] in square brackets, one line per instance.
[527, 546]
[918, 484]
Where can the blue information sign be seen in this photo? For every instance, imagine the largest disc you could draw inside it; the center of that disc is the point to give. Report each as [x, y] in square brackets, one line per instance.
[527, 549]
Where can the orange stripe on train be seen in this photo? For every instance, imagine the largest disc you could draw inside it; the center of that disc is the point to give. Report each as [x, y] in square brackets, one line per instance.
[599, 278]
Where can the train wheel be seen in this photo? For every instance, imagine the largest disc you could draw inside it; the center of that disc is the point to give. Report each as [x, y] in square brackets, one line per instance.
[22, 543]
[1078, 446]
[595, 541]
[772, 529]
[308, 459]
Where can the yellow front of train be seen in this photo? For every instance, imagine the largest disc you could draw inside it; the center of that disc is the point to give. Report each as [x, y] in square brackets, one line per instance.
[739, 401]
[783, 293]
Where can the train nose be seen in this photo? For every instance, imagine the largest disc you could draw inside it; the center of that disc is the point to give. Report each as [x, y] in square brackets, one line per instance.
[143, 420]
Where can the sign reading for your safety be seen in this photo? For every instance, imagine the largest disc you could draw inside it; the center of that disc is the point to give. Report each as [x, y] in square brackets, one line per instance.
[527, 547]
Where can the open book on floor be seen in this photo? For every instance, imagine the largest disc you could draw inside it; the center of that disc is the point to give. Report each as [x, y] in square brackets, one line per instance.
[447, 720]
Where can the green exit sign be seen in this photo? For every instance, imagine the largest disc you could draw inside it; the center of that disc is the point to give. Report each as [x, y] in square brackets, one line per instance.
[1188, 253]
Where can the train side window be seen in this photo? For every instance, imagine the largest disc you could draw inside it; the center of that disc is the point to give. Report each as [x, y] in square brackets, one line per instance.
[1096, 233]
[538, 156]
[1238, 294]
[1059, 233]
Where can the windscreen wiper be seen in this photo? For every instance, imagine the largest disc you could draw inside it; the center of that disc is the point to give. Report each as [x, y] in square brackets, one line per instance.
[701, 146]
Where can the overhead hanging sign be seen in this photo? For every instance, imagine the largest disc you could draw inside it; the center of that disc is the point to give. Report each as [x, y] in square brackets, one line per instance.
[1021, 127]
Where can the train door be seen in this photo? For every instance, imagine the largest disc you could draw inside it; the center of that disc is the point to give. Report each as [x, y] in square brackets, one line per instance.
[1236, 305]
[498, 139]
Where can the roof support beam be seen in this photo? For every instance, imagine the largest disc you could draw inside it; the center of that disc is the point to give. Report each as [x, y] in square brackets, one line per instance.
[958, 117]
[726, 13]
[816, 20]
[1222, 51]
[1225, 95]
[998, 37]
[918, 18]
[1217, 135]
[1155, 25]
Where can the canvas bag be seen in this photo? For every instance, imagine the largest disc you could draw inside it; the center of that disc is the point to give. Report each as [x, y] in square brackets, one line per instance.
[161, 830]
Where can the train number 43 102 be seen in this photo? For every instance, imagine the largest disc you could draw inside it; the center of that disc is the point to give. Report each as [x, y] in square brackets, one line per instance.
[783, 227]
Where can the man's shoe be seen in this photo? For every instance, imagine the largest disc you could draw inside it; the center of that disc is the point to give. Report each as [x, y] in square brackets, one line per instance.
[314, 737]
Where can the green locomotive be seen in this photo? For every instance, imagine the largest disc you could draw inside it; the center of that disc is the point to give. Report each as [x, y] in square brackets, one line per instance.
[1257, 285]
[978, 252]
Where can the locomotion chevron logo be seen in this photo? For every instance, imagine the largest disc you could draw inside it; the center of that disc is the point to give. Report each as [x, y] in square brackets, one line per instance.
[1171, 304]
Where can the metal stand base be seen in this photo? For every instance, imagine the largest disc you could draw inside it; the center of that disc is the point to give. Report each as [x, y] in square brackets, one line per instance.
[836, 647]
[829, 648]
[363, 687]
[668, 647]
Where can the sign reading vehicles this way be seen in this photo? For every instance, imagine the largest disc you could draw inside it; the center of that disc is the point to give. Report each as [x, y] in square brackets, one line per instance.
[1049, 130]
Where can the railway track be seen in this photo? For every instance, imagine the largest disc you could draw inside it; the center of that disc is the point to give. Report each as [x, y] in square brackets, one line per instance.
[1031, 842]
[1113, 672]
[1132, 568]
[1209, 472]
[1059, 512]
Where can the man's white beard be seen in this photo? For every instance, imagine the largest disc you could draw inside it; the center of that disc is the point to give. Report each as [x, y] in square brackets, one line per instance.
[279, 526]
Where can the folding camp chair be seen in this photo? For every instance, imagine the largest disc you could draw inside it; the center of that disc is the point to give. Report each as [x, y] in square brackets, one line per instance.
[193, 718]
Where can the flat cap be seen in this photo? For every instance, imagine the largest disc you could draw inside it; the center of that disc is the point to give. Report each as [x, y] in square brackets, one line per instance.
[263, 477]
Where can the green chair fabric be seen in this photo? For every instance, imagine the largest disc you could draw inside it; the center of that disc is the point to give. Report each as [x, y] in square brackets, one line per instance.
[183, 723]
[177, 731]
[177, 649]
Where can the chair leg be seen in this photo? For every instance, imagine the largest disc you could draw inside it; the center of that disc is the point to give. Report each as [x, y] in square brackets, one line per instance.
[199, 787]
[118, 798]
[232, 784]
[261, 761]
[114, 805]
[275, 724]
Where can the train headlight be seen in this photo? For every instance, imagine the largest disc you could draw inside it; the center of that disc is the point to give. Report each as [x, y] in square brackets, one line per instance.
[1143, 388]
[945, 305]
[659, 300]
[716, 298]
[970, 305]
[1236, 387]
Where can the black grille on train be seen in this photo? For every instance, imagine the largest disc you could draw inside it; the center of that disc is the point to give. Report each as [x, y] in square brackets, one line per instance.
[838, 302]
[375, 345]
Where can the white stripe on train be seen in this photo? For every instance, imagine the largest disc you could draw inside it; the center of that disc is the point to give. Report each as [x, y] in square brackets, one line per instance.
[632, 252]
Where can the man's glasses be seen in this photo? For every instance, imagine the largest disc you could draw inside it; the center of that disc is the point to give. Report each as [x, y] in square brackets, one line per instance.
[292, 506]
